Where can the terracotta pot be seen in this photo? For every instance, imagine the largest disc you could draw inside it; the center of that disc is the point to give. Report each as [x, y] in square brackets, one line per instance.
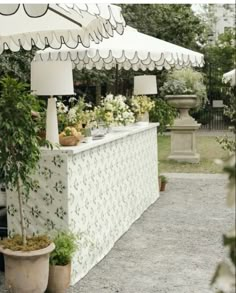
[159, 182]
[59, 278]
[163, 186]
[68, 140]
[27, 272]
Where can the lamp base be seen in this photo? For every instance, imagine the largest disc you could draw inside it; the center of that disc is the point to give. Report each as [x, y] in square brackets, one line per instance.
[51, 122]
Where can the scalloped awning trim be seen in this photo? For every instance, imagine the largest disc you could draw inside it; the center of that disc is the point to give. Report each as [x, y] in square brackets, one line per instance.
[97, 21]
[132, 50]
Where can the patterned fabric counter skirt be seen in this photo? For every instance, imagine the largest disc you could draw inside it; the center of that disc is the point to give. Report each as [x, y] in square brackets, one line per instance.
[98, 193]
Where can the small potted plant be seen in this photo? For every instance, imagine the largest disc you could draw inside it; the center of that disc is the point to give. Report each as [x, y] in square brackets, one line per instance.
[141, 106]
[60, 262]
[26, 257]
[163, 181]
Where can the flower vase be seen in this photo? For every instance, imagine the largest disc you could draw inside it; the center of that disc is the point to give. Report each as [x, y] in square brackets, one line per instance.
[87, 135]
[142, 119]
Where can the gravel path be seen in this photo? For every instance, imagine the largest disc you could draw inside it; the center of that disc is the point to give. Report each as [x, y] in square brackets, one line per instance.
[173, 248]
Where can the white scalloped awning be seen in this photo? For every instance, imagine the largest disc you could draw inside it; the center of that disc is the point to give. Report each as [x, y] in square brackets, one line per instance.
[131, 50]
[25, 25]
[230, 77]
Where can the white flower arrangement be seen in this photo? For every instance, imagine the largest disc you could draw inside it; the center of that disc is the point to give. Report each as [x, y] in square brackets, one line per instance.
[113, 109]
[141, 104]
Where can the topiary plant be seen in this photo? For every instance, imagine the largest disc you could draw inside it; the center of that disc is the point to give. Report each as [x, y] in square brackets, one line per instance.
[66, 245]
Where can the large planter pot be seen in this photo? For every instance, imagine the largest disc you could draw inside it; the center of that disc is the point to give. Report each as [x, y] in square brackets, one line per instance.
[27, 272]
[183, 103]
[59, 278]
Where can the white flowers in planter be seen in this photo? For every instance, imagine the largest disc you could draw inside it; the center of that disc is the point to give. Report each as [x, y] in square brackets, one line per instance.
[118, 109]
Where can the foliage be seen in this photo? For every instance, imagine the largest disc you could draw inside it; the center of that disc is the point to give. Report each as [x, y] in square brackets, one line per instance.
[19, 146]
[177, 87]
[163, 179]
[163, 113]
[219, 59]
[66, 244]
[224, 277]
[229, 143]
[16, 64]
[141, 104]
[188, 80]
[175, 23]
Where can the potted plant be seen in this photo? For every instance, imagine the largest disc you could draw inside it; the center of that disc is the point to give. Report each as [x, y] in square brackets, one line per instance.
[163, 181]
[184, 89]
[26, 258]
[60, 262]
[141, 106]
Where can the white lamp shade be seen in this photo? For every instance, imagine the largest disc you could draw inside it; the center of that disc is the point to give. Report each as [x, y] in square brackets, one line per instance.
[52, 78]
[145, 85]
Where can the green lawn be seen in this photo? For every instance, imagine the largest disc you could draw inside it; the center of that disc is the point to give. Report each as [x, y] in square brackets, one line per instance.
[208, 148]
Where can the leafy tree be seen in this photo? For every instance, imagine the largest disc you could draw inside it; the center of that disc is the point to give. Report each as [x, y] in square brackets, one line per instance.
[19, 147]
[175, 23]
[16, 64]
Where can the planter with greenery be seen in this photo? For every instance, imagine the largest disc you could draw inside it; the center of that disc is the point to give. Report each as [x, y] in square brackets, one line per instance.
[60, 262]
[184, 90]
[26, 257]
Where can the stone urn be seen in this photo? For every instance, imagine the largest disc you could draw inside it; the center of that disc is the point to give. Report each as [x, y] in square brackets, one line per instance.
[183, 131]
[183, 103]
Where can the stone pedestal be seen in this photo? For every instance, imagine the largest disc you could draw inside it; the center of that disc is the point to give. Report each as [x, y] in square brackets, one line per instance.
[183, 137]
[183, 143]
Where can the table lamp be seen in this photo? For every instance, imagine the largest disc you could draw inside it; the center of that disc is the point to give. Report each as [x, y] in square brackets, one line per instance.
[48, 79]
[145, 85]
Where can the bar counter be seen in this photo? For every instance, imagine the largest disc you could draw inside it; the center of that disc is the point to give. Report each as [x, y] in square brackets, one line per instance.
[96, 189]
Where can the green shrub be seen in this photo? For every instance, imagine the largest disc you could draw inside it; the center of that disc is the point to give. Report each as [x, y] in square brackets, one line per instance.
[66, 244]
[162, 113]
